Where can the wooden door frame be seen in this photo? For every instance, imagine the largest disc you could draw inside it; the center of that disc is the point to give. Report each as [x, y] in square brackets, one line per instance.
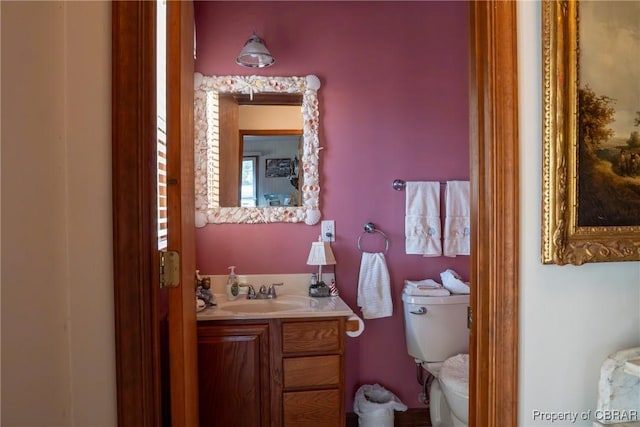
[493, 111]
[141, 375]
[136, 267]
[182, 323]
[494, 177]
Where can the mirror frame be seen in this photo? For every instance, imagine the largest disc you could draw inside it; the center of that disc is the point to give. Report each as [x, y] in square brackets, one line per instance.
[207, 210]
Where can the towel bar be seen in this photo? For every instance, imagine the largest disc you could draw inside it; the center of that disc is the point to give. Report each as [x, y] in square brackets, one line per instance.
[399, 184]
[369, 227]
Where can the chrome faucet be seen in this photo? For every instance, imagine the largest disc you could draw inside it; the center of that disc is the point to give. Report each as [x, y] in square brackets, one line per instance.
[263, 293]
[251, 292]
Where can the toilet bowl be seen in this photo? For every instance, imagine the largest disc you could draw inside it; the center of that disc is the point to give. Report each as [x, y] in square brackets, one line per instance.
[439, 410]
[438, 339]
[454, 381]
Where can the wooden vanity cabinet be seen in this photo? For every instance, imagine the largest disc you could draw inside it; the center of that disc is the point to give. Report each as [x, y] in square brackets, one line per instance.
[313, 372]
[301, 385]
[233, 375]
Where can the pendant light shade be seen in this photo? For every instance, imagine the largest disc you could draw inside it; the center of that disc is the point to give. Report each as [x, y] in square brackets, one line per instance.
[255, 54]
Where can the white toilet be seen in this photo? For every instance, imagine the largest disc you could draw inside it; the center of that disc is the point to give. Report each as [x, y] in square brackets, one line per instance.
[438, 338]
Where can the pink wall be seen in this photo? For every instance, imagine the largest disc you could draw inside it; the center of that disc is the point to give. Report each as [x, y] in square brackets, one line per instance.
[393, 104]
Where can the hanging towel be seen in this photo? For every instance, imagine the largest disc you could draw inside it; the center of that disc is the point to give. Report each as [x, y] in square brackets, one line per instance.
[374, 294]
[457, 223]
[422, 219]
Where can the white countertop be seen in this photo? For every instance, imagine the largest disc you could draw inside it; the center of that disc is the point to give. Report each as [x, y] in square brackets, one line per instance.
[293, 300]
[284, 306]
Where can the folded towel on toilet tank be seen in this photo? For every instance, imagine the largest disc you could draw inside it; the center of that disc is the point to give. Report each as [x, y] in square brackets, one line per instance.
[424, 288]
[453, 282]
[423, 284]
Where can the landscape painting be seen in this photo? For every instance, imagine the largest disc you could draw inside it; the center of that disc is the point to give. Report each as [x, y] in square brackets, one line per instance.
[609, 114]
[591, 131]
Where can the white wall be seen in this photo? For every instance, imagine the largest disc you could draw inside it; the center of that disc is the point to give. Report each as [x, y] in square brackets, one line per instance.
[571, 317]
[58, 366]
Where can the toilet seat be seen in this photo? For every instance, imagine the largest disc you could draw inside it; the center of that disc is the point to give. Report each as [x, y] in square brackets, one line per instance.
[454, 375]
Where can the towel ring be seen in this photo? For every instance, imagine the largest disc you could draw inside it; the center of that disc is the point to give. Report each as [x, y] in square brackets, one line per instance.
[370, 228]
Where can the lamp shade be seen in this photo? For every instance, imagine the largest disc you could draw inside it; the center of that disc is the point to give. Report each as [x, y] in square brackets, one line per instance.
[255, 54]
[321, 254]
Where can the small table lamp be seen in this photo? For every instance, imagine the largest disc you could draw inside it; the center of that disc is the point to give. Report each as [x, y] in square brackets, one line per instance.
[320, 254]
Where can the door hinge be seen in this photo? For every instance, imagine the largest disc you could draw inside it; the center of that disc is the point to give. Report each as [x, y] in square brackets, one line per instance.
[469, 317]
[169, 269]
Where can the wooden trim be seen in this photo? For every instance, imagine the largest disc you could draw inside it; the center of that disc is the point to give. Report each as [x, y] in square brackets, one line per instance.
[270, 132]
[183, 357]
[135, 264]
[352, 325]
[230, 152]
[495, 214]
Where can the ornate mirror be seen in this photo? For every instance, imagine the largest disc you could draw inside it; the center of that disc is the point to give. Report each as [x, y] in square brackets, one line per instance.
[224, 175]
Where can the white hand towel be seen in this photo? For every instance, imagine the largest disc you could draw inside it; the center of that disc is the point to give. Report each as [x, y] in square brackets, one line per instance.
[422, 219]
[374, 286]
[453, 282]
[457, 223]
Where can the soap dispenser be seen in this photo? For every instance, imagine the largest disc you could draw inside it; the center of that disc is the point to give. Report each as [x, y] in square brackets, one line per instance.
[232, 284]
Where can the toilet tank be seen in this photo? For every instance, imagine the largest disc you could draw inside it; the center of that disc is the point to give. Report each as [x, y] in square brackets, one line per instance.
[436, 327]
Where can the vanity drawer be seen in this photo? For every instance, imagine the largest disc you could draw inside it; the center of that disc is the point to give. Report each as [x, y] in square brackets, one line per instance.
[302, 337]
[312, 408]
[311, 371]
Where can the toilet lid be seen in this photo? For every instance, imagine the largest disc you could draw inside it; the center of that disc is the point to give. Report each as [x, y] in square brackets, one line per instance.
[455, 374]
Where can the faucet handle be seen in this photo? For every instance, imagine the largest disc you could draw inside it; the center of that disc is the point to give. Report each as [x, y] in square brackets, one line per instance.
[272, 289]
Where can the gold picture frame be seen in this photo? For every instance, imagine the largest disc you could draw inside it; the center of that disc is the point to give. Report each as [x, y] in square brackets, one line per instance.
[578, 180]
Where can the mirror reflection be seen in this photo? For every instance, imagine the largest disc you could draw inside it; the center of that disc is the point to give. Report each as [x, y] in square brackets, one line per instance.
[256, 149]
[260, 144]
[270, 172]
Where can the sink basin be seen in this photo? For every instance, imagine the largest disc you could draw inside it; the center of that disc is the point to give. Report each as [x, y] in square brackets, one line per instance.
[262, 306]
[284, 303]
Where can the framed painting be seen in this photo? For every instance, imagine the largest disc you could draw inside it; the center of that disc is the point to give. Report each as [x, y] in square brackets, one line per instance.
[278, 168]
[591, 131]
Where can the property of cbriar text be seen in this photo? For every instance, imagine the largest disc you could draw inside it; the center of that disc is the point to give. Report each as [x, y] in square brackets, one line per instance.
[565, 417]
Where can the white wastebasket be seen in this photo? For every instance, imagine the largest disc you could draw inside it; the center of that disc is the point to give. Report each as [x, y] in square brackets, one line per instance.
[381, 418]
[375, 406]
